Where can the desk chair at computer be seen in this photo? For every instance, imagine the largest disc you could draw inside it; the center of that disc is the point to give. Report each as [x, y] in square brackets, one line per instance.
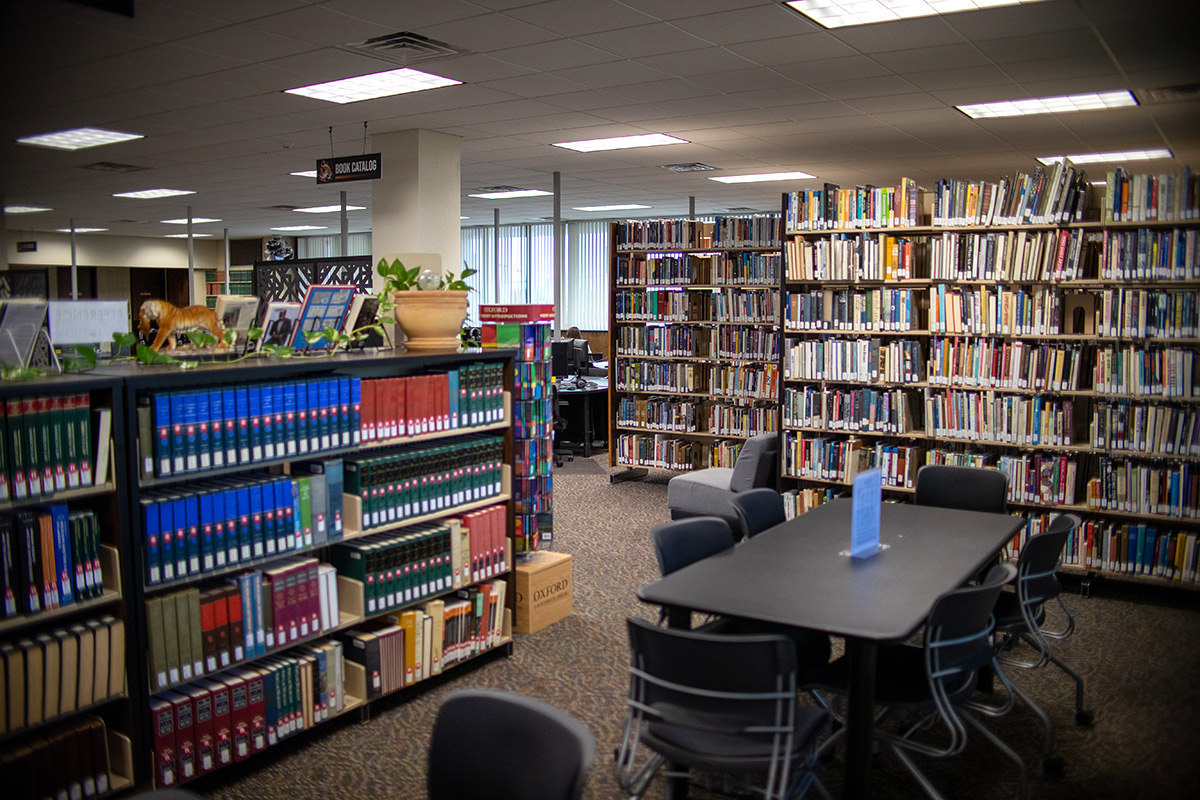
[562, 451]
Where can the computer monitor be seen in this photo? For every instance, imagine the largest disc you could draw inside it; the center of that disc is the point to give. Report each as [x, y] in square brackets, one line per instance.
[568, 358]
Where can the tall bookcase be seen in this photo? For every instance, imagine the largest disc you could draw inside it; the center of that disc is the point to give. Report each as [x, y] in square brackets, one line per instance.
[1008, 333]
[364, 505]
[67, 617]
[694, 339]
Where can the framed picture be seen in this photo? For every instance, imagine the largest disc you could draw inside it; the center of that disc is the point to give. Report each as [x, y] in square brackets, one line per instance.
[237, 313]
[325, 306]
[279, 323]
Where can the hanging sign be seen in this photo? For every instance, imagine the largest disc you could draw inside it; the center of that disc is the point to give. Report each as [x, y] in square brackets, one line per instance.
[366, 167]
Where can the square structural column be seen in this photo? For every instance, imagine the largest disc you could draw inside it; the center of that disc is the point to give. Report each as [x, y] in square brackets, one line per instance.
[415, 206]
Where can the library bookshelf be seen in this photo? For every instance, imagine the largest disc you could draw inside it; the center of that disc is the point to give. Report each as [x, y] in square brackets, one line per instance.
[344, 536]
[1005, 332]
[694, 339]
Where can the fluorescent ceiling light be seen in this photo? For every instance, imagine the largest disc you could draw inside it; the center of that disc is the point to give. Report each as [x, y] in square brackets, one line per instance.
[768, 176]
[150, 194]
[839, 13]
[78, 138]
[301, 228]
[24, 209]
[464, 217]
[184, 235]
[375, 85]
[184, 221]
[308, 173]
[81, 230]
[1050, 105]
[327, 209]
[513, 193]
[621, 142]
[1101, 158]
[624, 207]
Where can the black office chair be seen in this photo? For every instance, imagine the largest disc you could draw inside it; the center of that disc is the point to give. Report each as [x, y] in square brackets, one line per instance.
[937, 679]
[562, 451]
[483, 741]
[679, 543]
[757, 510]
[1021, 613]
[717, 704]
[964, 488]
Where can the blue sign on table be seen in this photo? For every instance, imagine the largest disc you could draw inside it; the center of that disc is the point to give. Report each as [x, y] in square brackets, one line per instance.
[864, 514]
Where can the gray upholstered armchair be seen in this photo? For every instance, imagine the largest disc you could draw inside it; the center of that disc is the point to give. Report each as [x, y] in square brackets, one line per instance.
[708, 491]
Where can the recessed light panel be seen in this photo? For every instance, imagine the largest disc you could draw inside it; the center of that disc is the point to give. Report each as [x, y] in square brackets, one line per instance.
[81, 230]
[24, 209]
[621, 142]
[184, 221]
[625, 207]
[150, 194]
[768, 176]
[1050, 105]
[840, 13]
[1102, 158]
[511, 193]
[308, 173]
[78, 138]
[184, 235]
[301, 228]
[375, 85]
[327, 209]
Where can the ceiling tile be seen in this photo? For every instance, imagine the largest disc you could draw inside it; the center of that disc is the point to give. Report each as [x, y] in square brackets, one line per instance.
[487, 32]
[1034, 46]
[905, 34]
[875, 87]
[319, 25]
[793, 49]
[917, 104]
[534, 85]
[824, 70]
[744, 80]
[673, 9]
[644, 40]
[764, 21]
[934, 80]
[1000, 23]
[696, 62]
[587, 100]
[947, 57]
[572, 18]
[655, 91]
[556, 55]
[614, 73]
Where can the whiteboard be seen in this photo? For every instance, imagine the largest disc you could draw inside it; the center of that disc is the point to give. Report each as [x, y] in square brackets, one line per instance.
[87, 321]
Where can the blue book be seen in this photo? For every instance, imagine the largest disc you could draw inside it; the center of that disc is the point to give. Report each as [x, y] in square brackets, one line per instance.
[180, 537]
[278, 432]
[216, 426]
[256, 432]
[166, 538]
[178, 445]
[63, 557]
[314, 416]
[162, 425]
[257, 532]
[191, 432]
[286, 514]
[208, 539]
[267, 405]
[260, 638]
[191, 509]
[245, 585]
[242, 416]
[223, 529]
[452, 396]
[324, 422]
[151, 531]
[356, 411]
[343, 437]
[245, 536]
[302, 412]
[335, 478]
[230, 417]
[203, 432]
[291, 445]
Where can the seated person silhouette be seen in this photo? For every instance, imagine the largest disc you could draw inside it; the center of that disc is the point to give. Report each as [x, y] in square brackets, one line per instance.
[279, 331]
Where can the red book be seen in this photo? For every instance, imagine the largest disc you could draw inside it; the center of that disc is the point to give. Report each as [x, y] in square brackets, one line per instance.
[300, 608]
[255, 707]
[162, 714]
[397, 407]
[291, 603]
[202, 727]
[314, 595]
[239, 714]
[237, 632]
[185, 745]
[274, 587]
[221, 627]
[208, 630]
[222, 723]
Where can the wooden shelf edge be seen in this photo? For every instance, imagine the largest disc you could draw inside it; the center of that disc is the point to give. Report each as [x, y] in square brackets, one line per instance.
[12, 624]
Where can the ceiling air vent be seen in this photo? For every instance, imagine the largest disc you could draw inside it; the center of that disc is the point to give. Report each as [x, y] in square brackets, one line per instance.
[741, 210]
[491, 189]
[1171, 94]
[110, 166]
[694, 166]
[404, 48]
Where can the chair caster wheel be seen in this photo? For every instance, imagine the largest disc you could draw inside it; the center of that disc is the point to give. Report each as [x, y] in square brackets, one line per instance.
[1084, 717]
[1052, 765]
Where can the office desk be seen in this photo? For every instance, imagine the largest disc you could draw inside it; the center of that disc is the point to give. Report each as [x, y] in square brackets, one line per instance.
[567, 394]
[794, 574]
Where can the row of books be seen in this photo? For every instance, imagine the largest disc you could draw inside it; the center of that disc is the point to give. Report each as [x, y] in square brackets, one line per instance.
[664, 306]
[748, 305]
[1138, 487]
[650, 376]
[852, 310]
[203, 429]
[805, 498]
[403, 482]
[46, 445]
[531, 340]
[758, 230]
[533, 419]
[1134, 549]
[853, 257]
[678, 234]
[197, 632]
[832, 207]
[728, 419]
[995, 310]
[70, 760]
[533, 494]
[532, 457]
[1149, 370]
[1005, 364]
[415, 404]
[862, 409]
[743, 343]
[1148, 254]
[898, 464]
[211, 525]
[664, 269]
[757, 382]
[531, 380]
[59, 671]
[1046, 479]
[662, 341]
[661, 451]
[1008, 419]
[659, 413]
[213, 722]
[1141, 313]
[822, 458]
[859, 360]
[1021, 256]
[49, 558]
[1039, 197]
[721, 453]
[1149, 429]
[746, 269]
[1133, 197]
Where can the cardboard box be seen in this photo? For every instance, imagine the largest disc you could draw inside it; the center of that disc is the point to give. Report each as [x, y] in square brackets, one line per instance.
[543, 590]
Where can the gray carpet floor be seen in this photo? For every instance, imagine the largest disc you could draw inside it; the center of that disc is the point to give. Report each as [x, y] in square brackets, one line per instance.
[1139, 653]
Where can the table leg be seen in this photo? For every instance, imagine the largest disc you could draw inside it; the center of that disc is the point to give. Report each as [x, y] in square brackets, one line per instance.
[587, 424]
[860, 718]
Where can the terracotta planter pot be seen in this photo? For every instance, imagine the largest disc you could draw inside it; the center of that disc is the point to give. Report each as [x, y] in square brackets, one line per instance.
[430, 320]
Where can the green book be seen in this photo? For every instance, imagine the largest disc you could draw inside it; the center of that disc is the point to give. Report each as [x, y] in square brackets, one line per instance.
[59, 433]
[83, 423]
[31, 408]
[304, 494]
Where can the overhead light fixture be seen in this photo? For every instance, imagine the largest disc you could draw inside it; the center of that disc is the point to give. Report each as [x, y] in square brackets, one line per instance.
[150, 194]
[840, 13]
[621, 142]
[766, 176]
[24, 209]
[511, 193]
[1101, 158]
[184, 235]
[373, 86]
[78, 138]
[308, 173]
[184, 221]
[464, 217]
[301, 228]
[327, 209]
[1050, 105]
[80, 230]
[623, 207]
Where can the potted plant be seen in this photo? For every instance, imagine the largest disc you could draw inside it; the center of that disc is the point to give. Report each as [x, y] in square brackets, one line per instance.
[429, 308]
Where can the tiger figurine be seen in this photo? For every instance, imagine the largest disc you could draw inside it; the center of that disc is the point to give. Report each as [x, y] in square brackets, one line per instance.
[172, 319]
